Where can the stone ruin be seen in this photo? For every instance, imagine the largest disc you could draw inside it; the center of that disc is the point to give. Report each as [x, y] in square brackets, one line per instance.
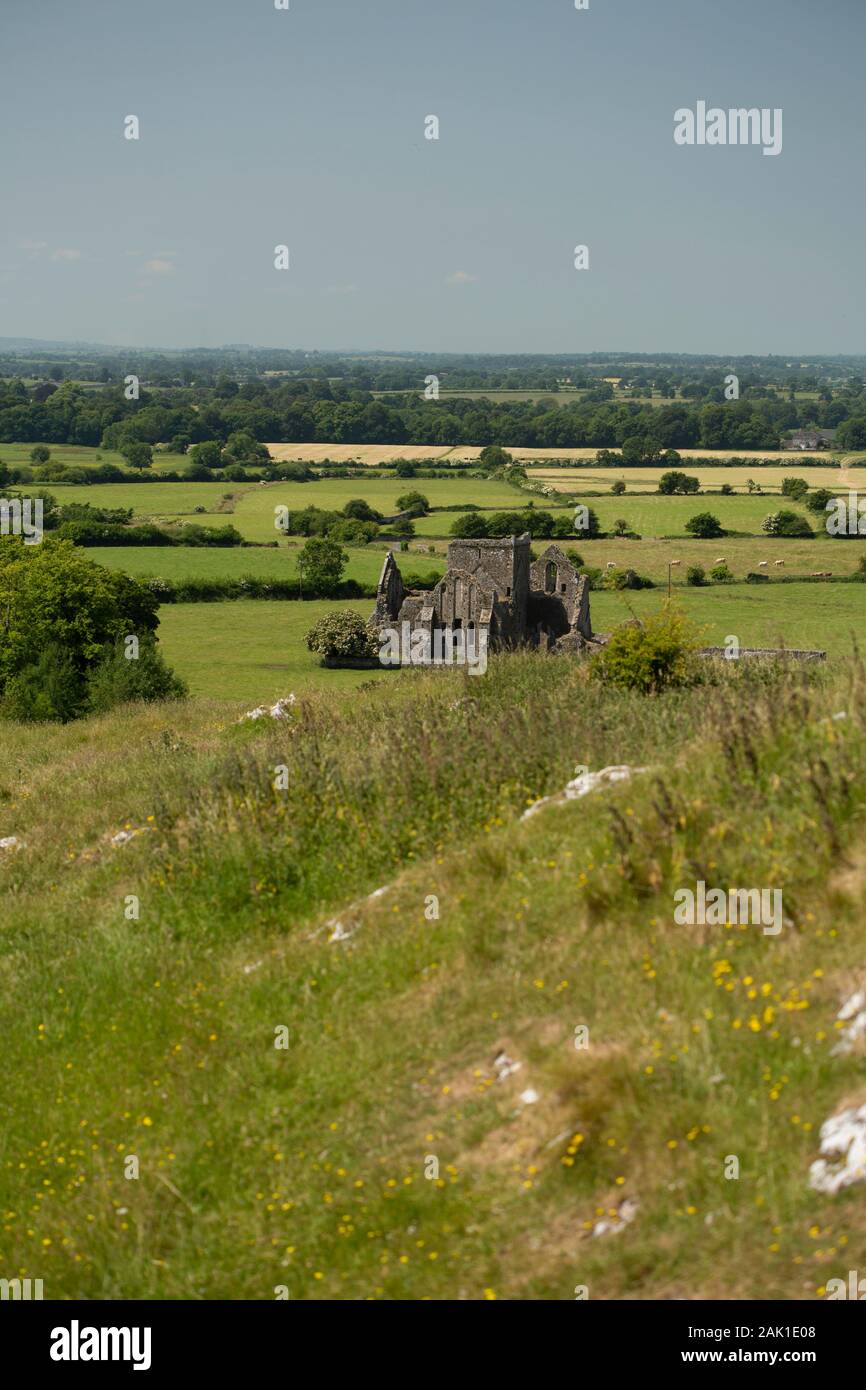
[493, 587]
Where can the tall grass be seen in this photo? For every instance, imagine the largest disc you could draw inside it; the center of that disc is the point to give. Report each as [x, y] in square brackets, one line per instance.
[153, 1036]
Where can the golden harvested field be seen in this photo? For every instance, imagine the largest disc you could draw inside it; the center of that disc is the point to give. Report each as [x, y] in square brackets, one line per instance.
[357, 453]
[465, 453]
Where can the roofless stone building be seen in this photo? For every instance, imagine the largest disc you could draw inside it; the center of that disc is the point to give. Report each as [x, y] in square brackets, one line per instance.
[493, 587]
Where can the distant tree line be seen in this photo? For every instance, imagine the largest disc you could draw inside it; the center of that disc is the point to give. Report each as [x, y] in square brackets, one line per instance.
[309, 411]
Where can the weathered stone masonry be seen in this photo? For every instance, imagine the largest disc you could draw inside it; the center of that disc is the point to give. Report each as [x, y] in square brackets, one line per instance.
[492, 586]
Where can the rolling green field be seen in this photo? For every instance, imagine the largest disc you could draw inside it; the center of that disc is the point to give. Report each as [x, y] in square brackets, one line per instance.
[650, 558]
[741, 554]
[646, 479]
[191, 562]
[823, 617]
[254, 650]
[254, 512]
[148, 499]
[651, 516]
[83, 456]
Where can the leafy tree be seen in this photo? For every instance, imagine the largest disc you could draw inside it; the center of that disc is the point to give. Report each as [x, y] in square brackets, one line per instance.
[40, 454]
[414, 502]
[321, 564]
[494, 456]
[618, 488]
[359, 510]
[726, 490]
[197, 473]
[633, 450]
[784, 523]
[118, 678]
[49, 689]
[138, 454]
[470, 527]
[851, 434]
[586, 522]
[795, 488]
[705, 526]
[243, 447]
[817, 500]
[620, 526]
[208, 454]
[696, 576]
[53, 596]
[563, 527]
[675, 481]
[352, 532]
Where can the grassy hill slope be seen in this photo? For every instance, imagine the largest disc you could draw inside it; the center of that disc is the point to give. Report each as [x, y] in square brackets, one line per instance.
[313, 1166]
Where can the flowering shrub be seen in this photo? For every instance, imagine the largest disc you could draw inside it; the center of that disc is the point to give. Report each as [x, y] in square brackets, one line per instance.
[343, 633]
[648, 656]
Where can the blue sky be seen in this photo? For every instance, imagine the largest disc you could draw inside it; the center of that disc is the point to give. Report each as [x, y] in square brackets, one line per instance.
[306, 127]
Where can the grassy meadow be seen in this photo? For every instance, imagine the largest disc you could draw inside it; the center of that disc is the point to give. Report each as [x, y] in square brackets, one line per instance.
[364, 563]
[84, 456]
[254, 650]
[264, 648]
[172, 1147]
[646, 479]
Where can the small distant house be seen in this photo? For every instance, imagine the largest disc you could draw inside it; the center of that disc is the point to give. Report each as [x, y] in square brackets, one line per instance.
[801, 440]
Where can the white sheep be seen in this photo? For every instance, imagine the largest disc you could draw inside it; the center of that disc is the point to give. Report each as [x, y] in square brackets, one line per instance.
[778, 562]
[762, 564]
[611, 564]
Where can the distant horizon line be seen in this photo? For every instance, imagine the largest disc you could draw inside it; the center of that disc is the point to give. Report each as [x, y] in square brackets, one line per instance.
[7, 344]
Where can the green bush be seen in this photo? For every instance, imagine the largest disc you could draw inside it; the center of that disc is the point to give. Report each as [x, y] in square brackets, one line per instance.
[590, 527]
[118, 678]
[53, 594]
[343, 633]
[720, 574]
[414, 502]
[676, 481]
[49, 689]
[624, 579]
[785, 523]
[817, 500]
[648, 656]
[472, 527]
[795, 488]
[705, 526]
[359, 510]
[696, 576]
